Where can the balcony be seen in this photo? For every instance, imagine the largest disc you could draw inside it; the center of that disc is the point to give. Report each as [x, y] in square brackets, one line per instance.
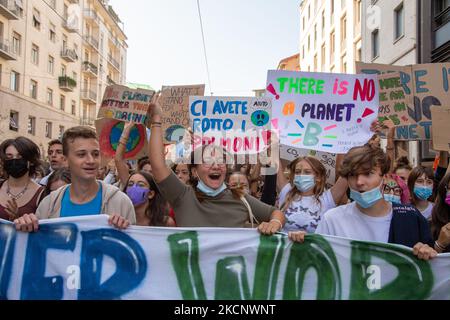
[70, 55]
[110, 81]
[67, 83]
[71, 25]
[91, 41]
[89, 96]
[91, 16]
[87, 122]
[113, 62]
[90, 68]
[10, 9]
[5, 51]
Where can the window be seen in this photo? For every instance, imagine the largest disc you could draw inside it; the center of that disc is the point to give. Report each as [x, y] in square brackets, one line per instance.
[14, 83]
[332, 43]
[375, 44]
[315, 34]
[17, 43]
[398, 22]
[62, 102]
[332, 11]
[358, 54]
[48, 129]
[357, 5]
[35, 54]
[32, 125]
[309, 12]
[51, 65]
[36, 19]
[309, 41]
[63, 70]
[101, 41]
[343, 32]
[33, 89]
[323, 24]
[61, 132]
[50, 97]
[323, 57]
[52, 33]
[344, 63]
[73, 107]
[315, 63]
[14, 121]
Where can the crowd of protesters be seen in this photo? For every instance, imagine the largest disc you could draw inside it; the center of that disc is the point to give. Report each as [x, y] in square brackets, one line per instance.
[374, 198]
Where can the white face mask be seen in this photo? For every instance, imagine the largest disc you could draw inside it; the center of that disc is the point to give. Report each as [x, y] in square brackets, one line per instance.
[210, 192]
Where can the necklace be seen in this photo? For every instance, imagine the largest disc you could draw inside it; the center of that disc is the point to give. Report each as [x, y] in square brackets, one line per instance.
[18, 195]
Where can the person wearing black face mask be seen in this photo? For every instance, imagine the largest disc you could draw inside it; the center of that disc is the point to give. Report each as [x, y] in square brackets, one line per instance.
[19, 194]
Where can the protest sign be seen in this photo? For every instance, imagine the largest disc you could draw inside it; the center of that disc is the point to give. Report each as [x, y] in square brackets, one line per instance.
[441, 128]
[85, 258]
[323, 111]
[327, 159]
[125, 104]
[241, 125]
[394, 101]
[109, 132]
[175, 108]
[429, 86]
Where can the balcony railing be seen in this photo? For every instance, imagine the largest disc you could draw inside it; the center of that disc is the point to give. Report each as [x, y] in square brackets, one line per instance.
[91, 40]
[89, 67]
[70, 55]
[113, 62]
[70, 25]
[91, 15]
[110, 81]
[10, 9]
[5, 51]
[89, 95]
[67, 83]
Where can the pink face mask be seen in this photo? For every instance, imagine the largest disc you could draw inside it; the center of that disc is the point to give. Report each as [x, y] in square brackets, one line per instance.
[447, 199]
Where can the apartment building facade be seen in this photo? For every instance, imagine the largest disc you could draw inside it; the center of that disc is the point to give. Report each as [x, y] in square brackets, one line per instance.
[330, 35]
[56, 58]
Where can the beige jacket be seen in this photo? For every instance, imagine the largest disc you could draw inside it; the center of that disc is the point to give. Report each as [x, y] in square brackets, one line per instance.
[114, 201]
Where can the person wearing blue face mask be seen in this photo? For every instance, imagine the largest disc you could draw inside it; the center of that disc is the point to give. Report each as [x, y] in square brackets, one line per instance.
[303, 198]
[421, 184]
[370, 217]
[207, 202]
[150, 207]
[395, 190]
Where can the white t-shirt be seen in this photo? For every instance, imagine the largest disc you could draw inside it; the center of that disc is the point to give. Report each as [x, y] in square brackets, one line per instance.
[427, 212]
[305, 213]
[348, 222]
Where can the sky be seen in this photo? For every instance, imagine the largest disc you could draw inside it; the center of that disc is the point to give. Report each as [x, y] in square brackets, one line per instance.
[244, 39]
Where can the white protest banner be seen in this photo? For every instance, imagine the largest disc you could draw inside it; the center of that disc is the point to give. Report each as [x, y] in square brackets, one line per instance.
[84, 258]
[175, 107]
[327, 159]
[428, 84]
[323, 111]
[241, 125]
[125, 104]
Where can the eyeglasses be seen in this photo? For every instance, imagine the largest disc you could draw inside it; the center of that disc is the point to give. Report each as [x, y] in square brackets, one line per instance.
[396, 190]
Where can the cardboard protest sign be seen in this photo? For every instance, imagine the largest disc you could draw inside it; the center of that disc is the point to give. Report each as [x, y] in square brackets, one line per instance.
[323, 111]
[241, 125]
[125, 104]
[441, 128]
[109, 132]
[429, 86]
[394, 101]
[87, 259]
[327, 159]
[175, 107]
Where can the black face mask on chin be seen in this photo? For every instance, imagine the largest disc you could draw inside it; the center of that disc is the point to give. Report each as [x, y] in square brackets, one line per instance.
[16, 168]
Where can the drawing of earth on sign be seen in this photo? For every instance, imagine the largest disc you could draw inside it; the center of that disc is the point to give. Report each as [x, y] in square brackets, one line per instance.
[260, 118]
[175, 133]
[111, 135]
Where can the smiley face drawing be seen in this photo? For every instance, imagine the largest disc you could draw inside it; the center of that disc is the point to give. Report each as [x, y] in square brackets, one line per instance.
[260, 118]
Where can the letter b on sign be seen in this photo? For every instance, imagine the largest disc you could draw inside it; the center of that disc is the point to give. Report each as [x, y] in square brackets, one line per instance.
[312, 131]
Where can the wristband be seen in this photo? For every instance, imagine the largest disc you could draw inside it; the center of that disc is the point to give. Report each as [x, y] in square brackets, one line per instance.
[276, 220]
[437, 244]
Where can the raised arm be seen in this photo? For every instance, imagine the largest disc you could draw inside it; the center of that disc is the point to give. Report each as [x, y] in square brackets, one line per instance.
[119, 157]
[156, 146]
